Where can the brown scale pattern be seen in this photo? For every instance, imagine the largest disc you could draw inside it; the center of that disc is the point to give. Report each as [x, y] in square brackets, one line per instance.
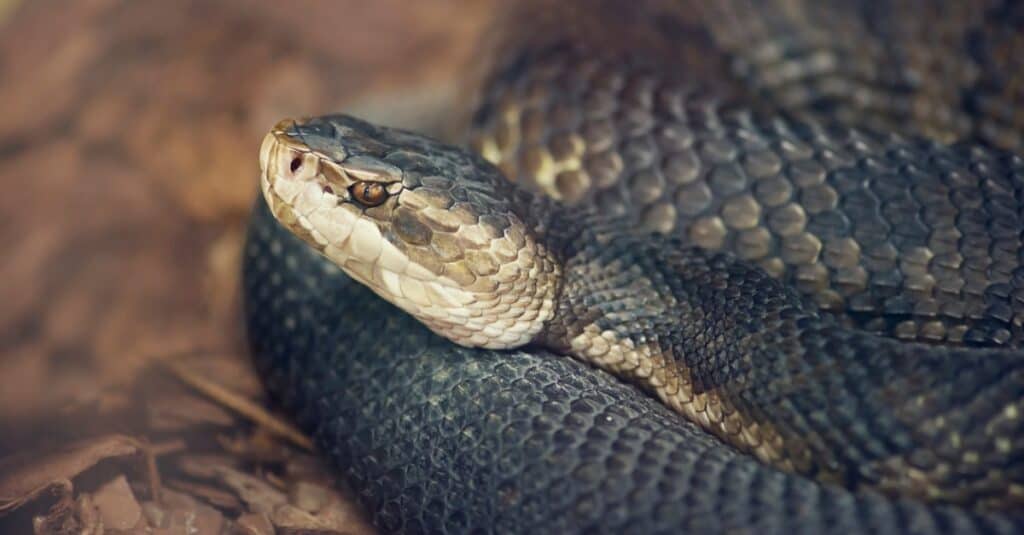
[744, 358]
[443, 439]
[448, 244]
[893, 233]
[851, 228]
[905, 236]
[944, 69]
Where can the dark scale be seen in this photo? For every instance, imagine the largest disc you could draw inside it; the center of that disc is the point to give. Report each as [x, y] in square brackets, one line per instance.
[849, 324]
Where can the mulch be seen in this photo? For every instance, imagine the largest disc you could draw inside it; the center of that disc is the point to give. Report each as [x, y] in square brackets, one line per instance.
[128, 145]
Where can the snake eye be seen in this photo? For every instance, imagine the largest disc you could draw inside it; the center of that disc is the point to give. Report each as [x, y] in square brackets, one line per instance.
[369, 193]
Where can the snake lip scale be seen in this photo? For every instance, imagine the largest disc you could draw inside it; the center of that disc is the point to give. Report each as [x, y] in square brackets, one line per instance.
[832, 313]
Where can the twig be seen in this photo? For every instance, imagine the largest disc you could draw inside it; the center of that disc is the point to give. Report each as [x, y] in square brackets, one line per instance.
[242, 405]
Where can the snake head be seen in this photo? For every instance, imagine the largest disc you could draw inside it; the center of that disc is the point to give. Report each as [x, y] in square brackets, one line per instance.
[430, 227]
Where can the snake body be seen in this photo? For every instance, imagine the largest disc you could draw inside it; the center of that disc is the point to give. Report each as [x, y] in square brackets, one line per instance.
[824, 305]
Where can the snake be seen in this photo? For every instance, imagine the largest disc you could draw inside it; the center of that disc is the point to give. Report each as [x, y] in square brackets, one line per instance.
[750, 267]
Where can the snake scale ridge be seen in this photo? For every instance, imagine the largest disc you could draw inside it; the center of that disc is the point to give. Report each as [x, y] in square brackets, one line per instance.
[791, 232]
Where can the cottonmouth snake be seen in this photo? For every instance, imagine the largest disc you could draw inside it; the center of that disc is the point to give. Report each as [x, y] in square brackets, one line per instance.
[800, 231]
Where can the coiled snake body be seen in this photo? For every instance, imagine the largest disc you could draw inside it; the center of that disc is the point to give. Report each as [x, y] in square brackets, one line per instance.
[827, 304]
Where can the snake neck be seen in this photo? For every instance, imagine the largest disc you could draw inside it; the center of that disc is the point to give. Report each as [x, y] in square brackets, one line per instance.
[668, 319]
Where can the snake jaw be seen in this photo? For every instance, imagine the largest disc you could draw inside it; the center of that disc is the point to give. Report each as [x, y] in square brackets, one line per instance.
[441, 244]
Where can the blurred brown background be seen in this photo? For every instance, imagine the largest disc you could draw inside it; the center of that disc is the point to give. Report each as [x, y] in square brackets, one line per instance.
[128, 140]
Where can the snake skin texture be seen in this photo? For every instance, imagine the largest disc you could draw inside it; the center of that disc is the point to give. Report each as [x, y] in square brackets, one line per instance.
[630, 136]
[854, 250]
[436, 438]
[945, 69]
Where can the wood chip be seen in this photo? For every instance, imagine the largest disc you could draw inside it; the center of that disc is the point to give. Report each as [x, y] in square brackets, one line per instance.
[309, 497]
[254, 524]
[181, 514]
[25, 478]
[214, 496]
[259, 446]
[117, 505]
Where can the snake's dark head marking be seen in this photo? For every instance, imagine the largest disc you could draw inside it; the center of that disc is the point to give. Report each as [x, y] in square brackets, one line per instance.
[427, 226]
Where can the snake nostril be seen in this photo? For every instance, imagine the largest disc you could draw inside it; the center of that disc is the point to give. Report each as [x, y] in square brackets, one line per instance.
[296, 164]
